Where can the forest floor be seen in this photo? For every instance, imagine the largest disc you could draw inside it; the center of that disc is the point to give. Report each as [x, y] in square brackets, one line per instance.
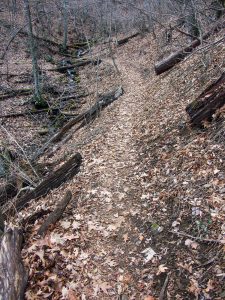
[149, 194]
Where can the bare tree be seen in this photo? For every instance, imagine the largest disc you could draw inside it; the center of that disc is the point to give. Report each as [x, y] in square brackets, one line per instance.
[37, 88]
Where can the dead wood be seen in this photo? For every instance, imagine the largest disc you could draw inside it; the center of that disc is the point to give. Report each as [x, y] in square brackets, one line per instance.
[126, 39]
[176, 57]
[80, 63]
[33, 218]
[52, 181]
[203, 108]
[56, 214]
[163, 290]
[14, 93]
[9, 190]
[91, 113]
[86, 117]
[13, 277]
[74, 96]
[25, 113]
[179, 233]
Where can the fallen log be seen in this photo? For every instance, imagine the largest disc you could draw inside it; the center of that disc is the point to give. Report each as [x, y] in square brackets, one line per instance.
[203, 108]
[126, 39]
[14, 93]
[90, 114]
[74, 96]
[25, 113]
[33, 218]
[9, 190]
[176, 57]
[52, 181]
[81, 63]
[13, 277]
[86, 117]
[56, 214]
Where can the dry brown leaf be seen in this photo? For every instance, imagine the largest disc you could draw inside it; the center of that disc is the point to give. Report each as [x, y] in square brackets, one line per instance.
[125, 237]
[149, 298]
[72, 295]
[161, 269]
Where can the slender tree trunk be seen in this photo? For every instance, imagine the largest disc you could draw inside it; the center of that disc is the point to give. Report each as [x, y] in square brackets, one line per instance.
[191, 19]
[37, 88]
[65, 24]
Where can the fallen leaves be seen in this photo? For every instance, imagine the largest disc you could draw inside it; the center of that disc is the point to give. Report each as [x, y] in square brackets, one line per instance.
[149, 254]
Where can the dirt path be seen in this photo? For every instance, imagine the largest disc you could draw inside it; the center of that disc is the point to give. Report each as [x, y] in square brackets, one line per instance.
[115, 200]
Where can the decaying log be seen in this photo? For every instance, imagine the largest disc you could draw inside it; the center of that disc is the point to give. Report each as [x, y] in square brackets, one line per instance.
[14, 93]
[13, 277]
[86, 117]
[33, 218]
[80, 63]
[176, 57]
[203, 108]
[74, 96]
[25, 113]
[56, 214]
[9, 190]
[90, 114]
[126, 39]
[52, 181]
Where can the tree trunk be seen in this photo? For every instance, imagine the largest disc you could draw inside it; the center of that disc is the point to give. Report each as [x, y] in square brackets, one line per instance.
[203, 108]
[33, 51]
[65, 24]
[13, 277]
[2, 224]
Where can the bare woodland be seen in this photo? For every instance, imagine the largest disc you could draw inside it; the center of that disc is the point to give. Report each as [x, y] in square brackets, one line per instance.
[112, 136]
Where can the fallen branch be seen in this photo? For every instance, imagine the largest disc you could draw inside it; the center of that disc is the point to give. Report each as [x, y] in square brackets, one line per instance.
[13, 277]
[203, 108]
[74, 96]
[54, 180]
[19, 92]
[175, 58]
[56, 214]
[86, 117]
[126, 39]
[76, 65]
[163, 290]
[33, 218]
[25, 113]
[221, 242]
[90, 114]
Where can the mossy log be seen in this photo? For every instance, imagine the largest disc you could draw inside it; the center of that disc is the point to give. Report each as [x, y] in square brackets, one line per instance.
[13, 279]
[52, 181]
[203, 108]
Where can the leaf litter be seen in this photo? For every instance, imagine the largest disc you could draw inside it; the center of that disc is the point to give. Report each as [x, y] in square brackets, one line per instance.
[142, 181]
